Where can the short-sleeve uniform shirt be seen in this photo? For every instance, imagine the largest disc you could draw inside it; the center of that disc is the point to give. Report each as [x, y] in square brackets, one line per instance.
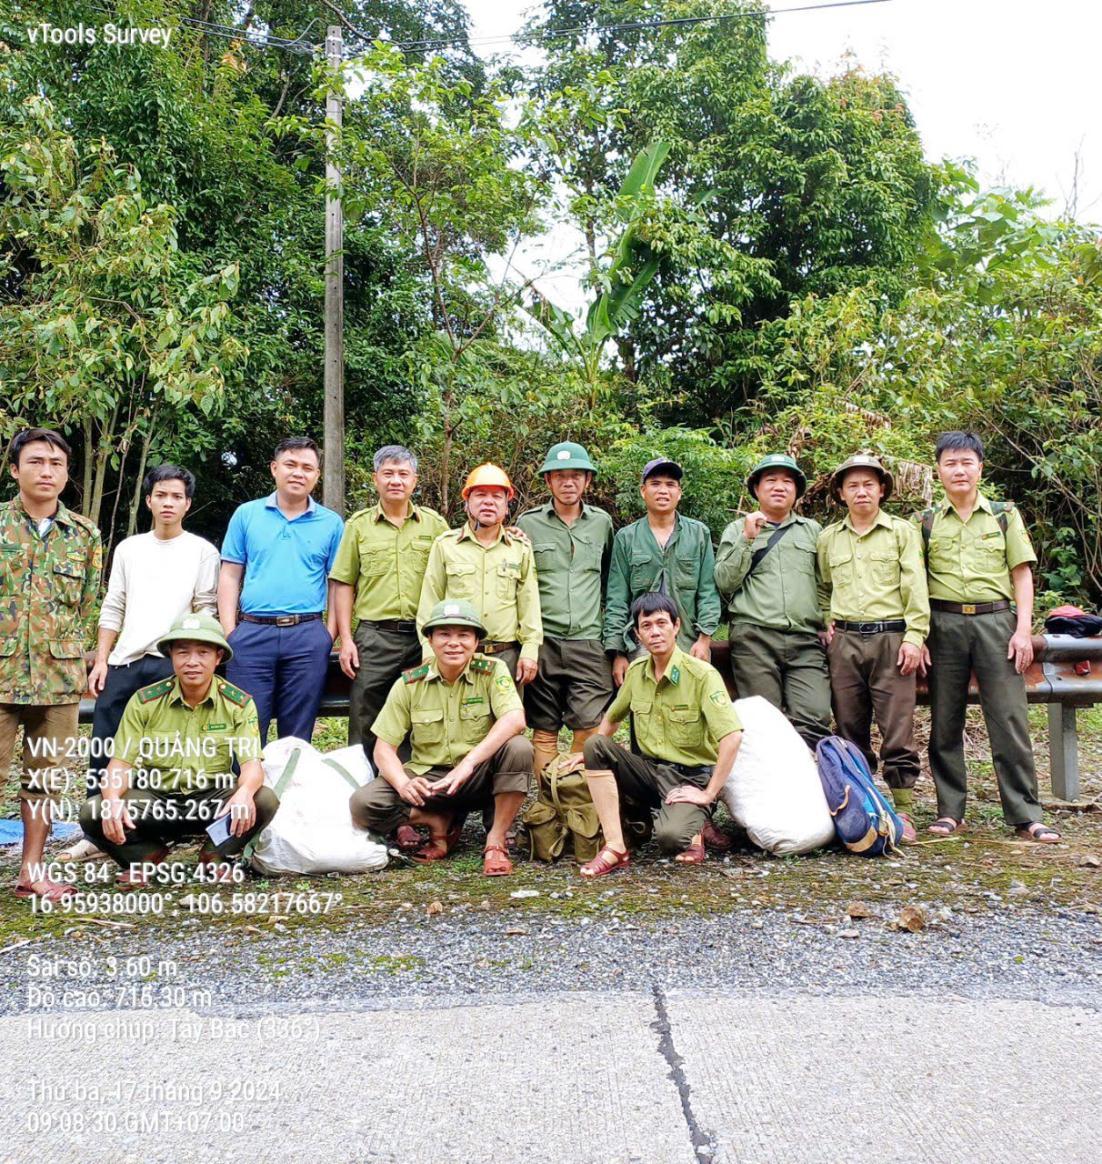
[446, 720]
[681, 717]
[181, 749]
[970, 561]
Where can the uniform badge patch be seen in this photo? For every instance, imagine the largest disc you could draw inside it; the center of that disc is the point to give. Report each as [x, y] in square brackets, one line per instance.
[718, 697]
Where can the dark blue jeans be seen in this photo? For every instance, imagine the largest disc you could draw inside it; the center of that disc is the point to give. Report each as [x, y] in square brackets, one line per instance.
[121, 683]
[283, 668]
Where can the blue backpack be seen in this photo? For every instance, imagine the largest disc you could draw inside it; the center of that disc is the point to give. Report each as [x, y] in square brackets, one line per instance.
[864, 820]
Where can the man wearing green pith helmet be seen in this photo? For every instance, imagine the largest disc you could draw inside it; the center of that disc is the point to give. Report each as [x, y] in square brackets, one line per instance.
[767, 573]
[572, 544]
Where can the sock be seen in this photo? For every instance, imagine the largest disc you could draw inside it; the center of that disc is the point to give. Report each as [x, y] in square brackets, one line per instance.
[545, 747]
[606, 799]
[904, 799]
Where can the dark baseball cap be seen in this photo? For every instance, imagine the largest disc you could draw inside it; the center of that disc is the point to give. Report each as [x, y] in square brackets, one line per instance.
[664, 466]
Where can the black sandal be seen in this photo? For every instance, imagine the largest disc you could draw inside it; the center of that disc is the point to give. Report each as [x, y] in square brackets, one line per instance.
[1039, 833]
[945, 826]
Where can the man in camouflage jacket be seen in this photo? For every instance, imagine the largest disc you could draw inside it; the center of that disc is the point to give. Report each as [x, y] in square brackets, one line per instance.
[50, 562]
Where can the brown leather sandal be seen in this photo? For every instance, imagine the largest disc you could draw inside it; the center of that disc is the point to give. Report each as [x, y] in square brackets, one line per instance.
[44, 889]
[946, 826]
[606, 861]
[695, 854]
[437, 847]
[1039, 833]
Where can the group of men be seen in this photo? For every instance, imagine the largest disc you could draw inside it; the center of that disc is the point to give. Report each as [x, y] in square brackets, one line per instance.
[458, 640]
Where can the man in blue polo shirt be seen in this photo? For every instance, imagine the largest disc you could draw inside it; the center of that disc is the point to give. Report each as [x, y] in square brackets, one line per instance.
[276, 559]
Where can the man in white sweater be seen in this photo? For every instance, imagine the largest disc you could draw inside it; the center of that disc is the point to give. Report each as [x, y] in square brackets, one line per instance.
[156, 578]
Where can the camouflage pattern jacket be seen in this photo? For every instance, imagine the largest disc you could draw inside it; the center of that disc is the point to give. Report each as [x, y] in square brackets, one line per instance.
[49, 585]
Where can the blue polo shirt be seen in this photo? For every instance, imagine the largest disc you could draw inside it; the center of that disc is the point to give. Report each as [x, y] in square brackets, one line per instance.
[287, 562]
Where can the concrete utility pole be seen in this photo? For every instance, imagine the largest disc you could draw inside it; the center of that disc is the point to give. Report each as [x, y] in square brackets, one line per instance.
[333, 476]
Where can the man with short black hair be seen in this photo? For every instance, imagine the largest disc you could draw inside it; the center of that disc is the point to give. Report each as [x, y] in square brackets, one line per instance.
[50, 561]
[276, 559]
[688, 736]
[156, 578]
[666, 553]
[377, 579]
[979, 563]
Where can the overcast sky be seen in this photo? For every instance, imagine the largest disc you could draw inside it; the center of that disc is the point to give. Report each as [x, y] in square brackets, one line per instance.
[1010, 83]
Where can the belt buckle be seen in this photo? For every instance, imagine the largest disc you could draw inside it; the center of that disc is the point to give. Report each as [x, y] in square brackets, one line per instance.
[286, 620]
[867, 628]
[968, 608]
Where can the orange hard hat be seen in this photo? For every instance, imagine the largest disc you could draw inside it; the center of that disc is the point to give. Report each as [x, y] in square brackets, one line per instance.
[490, 475]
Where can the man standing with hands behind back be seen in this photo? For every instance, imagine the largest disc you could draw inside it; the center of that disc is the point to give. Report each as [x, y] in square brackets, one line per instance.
[276, 559]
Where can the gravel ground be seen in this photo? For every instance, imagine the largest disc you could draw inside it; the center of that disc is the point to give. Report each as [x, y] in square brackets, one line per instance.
[1053, 957]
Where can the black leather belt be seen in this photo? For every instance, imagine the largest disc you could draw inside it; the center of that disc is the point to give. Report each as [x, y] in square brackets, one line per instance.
[493, 647]
[970, 607]
[692, 771]
[279, 619]
[871, 628]
[403, 626]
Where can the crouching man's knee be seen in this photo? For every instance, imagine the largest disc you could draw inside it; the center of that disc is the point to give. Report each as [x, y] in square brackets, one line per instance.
[516, 754]
[599, 752]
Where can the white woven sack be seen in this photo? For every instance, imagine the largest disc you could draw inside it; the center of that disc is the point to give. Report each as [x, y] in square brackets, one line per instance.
[313, 831]
[774, 790]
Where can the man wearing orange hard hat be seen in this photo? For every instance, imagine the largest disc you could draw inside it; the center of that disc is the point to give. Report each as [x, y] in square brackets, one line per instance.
[484, 564]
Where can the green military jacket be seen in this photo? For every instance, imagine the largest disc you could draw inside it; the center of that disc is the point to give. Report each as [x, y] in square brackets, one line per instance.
[571, 568]
[49, 584]
[684, 570]
[680, 718]
[970, 561]
[783, 592]
[876, 576]
[181, 749]
[499, 581]
[386, 562]
[445, 721]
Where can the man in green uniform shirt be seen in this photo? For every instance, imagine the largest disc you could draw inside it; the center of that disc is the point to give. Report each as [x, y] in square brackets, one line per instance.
[667, 553]
[688, 736]
[465, 719]
[378, 572]
[768, 572]
[186, 755]
[571, 542]
[484, 564]
[874, 598]
[979, 559]
[50, 560]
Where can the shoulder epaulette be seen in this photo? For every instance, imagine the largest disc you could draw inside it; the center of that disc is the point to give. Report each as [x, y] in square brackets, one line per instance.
[155, 690]
[234, 694]
[415, 674]
[638, 662]
[482, 665]
[85, 522]
[359, 513]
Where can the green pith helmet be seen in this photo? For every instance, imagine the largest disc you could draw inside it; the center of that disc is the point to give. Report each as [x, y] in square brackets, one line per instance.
[861, 461]
[196, 628]
[777, 461]
[454, 613]
[567, 455]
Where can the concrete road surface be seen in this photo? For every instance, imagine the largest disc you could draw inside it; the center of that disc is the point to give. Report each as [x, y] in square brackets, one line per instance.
[660, 1077]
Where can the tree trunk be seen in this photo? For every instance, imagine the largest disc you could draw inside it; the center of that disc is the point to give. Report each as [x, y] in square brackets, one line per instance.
[136, 500]
[103, 454]
[86, 468]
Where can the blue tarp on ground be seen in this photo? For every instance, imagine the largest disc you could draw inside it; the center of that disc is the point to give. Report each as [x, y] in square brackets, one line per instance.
[11, 831]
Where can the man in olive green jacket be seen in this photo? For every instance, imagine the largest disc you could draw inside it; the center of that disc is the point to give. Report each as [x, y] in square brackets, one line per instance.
[668, 554]
[767, 571]
[572, 544]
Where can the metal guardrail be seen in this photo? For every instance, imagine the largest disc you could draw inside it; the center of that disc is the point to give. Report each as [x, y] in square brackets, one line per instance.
[1066, 674]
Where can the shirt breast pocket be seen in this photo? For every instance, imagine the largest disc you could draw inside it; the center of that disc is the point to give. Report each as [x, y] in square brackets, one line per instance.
[544, 555]
[587, 556]
[419, 550]
[942, 553]
[508, 579]
[374, 559]
[992, 548]
[642, 573]
[841, 567]
[68, 579]
[462, 581]
[686, 568]
[685, 726]
[12, 564]
[885, 569]
[476, 717]
[427, 727]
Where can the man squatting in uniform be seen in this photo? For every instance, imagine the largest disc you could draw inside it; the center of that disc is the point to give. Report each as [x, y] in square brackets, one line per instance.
[469, 752]
[688, 735]
[177, 750]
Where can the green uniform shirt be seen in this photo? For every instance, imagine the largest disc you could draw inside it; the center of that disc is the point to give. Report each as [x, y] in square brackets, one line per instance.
[498, 580]
[49, 583]
[386, 562]
[682, 717]
[446, 720]
[685, 570]
[970, 561]
[184, 749]
[875, 576]
[783, 592]
[571, 568]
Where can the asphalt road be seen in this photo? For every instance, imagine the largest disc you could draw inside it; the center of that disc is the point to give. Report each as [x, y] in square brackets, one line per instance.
[732, 1038]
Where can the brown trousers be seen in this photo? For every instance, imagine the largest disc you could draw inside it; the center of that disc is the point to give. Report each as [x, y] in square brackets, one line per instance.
[865, 682]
